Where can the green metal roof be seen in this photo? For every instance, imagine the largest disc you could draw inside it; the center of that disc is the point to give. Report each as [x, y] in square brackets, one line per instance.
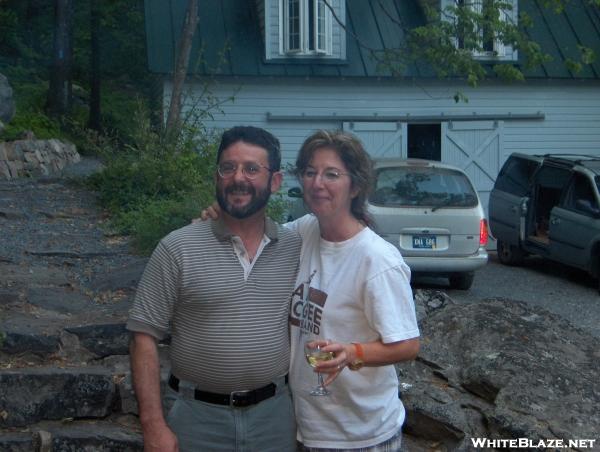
[229, 41]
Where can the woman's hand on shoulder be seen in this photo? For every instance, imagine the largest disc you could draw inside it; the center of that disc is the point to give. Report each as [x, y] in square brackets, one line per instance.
[212, 212]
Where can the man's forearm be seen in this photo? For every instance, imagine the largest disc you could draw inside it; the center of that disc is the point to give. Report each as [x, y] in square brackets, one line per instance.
[145, 368]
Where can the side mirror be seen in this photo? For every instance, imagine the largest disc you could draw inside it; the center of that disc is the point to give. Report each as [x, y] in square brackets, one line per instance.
[295, 192]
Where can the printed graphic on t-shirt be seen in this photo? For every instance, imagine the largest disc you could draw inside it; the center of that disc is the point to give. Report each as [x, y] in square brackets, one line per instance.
[307, 307]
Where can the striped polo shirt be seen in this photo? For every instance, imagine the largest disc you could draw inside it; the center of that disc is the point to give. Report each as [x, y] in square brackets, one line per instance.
[228, 332]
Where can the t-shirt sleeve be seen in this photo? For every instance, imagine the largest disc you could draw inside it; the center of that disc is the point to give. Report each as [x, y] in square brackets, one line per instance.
[156, 294]
[390, 306]
[302, 225]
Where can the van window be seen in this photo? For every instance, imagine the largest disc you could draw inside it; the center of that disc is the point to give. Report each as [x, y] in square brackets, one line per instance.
[580, 195]
[418, 186]
[515, 176]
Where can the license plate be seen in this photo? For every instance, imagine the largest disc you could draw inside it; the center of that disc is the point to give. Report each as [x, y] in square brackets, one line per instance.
[427, 242]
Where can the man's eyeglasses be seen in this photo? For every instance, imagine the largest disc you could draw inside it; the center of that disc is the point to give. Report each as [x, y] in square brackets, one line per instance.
[328, 176]
[249, 169]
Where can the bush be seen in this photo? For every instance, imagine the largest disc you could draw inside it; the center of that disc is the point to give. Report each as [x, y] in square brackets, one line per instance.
[156, 219]
[160, 184]
[29, 114]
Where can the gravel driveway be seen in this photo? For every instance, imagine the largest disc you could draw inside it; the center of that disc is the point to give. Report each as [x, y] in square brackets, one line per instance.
[565, 291]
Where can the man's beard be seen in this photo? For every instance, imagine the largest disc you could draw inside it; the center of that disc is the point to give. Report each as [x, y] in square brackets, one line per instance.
[257, 202]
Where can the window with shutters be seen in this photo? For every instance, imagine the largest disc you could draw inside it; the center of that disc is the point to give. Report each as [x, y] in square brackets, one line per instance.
[306, 27]
[477, 33]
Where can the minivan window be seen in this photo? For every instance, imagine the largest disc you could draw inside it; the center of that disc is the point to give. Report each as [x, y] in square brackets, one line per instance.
[515, 176]
[418, 186]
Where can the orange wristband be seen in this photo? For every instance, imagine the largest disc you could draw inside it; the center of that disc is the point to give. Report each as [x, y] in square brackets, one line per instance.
[360, 353]
[359, 362]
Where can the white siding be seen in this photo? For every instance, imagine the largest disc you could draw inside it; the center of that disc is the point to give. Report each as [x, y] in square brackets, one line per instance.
[272, 32]
[571, 109]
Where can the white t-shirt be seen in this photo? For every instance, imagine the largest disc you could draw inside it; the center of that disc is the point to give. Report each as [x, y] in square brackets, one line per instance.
[359, 291]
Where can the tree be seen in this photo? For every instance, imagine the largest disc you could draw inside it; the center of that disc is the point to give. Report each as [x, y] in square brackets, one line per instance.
[181, 65]
[451, 37]
[61, 85]
[95, 78]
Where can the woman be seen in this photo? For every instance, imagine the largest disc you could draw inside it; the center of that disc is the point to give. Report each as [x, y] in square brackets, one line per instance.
[353, 290]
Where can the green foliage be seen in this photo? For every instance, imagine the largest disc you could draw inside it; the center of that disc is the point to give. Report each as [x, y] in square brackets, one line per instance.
[157, 183]
[26, 47]
[278, 206]
[160, 182]
[508, 72]
[29, 113]
[456, 42]
[157, 218]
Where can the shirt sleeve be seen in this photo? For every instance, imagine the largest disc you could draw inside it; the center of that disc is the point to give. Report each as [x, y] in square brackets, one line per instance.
[301, 225]
[390, 306]
[156, 294]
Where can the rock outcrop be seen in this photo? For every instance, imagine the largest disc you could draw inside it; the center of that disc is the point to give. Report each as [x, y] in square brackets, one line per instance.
[501, 369]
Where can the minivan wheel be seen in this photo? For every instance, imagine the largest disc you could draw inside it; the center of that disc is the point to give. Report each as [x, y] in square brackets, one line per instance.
[461, 281]
[509, 254]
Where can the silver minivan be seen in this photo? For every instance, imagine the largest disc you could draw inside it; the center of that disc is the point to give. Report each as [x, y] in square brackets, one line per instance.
[431, 212]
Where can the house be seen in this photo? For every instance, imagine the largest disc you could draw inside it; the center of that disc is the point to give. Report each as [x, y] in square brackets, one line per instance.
[294, 66]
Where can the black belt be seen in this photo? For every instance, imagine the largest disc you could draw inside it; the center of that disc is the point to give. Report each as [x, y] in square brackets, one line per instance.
[236, 398]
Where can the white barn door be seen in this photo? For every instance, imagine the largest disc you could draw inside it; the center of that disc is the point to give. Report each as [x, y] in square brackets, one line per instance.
[381, 139]
[475, 147]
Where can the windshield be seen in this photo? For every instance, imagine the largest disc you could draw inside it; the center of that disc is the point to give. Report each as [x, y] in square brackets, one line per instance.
[423, 187]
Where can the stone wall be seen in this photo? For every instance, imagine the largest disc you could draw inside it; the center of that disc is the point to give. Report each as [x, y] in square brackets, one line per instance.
[25, 158]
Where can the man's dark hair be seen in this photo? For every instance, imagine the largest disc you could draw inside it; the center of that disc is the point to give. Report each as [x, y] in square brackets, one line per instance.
[255, 136]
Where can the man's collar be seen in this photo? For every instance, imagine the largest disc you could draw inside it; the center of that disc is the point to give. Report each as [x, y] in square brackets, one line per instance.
[222, 232]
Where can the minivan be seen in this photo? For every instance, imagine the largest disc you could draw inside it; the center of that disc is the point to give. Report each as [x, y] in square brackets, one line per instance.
[548, 205]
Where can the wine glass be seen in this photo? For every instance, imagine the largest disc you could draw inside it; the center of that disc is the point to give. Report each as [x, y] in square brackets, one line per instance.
[313, 351]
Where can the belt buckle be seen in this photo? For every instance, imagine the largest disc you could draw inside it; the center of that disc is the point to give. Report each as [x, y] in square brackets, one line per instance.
[238, 403]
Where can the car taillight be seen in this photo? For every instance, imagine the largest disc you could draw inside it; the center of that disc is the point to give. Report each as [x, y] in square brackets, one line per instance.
[483, 232]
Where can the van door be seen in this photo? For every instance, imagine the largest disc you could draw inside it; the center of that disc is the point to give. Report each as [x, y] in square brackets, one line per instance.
[510, 197]
[575, 223]
[549, 184]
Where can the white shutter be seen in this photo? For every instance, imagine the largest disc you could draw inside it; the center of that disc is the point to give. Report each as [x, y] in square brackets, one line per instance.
[381, 139]
[475, 147]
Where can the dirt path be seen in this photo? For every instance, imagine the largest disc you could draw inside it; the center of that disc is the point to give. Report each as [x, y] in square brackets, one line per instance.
[59, 267]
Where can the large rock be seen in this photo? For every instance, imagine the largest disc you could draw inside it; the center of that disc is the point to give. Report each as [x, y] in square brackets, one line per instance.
[103, 340]
[31, 395]
[88, 436]
[7, 103]
[501, 369]
[97, 438]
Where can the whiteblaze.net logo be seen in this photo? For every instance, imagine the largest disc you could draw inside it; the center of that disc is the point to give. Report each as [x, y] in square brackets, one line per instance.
[527, 443]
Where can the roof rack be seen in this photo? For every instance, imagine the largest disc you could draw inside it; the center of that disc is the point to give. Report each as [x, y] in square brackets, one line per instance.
[573, 158]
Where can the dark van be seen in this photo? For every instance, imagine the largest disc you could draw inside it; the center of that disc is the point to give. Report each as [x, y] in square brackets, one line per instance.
[548, 205]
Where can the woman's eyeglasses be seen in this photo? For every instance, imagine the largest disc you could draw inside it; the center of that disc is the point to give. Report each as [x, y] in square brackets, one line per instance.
[327, 176]
[249, 169]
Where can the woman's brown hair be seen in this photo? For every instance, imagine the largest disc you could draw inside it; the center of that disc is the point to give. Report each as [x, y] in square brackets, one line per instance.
[358, 163]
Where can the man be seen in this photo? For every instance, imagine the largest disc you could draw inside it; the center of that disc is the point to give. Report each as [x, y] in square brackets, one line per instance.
[222, 289]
